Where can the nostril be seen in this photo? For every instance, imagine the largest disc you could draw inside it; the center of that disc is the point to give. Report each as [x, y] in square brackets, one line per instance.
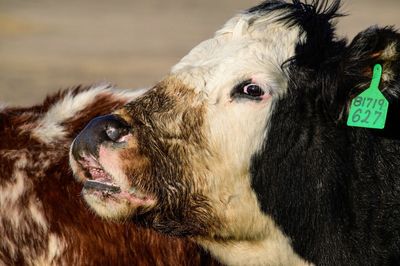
[115, 134]
[115, 128]
[108, 128]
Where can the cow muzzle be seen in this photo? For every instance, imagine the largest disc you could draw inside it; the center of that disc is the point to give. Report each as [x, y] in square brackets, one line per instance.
[95, 160]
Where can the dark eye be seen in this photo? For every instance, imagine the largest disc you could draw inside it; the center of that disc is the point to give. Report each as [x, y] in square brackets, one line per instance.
[253, 90]
[247, 90]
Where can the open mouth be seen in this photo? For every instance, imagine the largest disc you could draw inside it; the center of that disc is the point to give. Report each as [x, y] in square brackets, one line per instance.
[102, 185]
[100, 181]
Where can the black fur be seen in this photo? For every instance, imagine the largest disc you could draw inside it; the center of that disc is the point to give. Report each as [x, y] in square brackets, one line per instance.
[334, 190]
[315, 22]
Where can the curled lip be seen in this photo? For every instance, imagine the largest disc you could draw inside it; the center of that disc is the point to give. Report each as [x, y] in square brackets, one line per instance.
[93, 184]
[97, 182]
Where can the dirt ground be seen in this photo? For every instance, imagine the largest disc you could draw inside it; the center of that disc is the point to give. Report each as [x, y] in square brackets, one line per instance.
[46, 45]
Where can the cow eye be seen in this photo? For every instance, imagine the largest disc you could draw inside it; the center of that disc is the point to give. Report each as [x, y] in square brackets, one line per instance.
[247, 90]
[253, 90]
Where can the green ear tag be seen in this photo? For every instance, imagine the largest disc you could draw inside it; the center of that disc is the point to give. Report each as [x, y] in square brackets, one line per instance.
[369, 108]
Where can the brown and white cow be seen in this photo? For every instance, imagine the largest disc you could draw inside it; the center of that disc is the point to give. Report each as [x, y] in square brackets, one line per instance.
[43, 220]
[245, 148]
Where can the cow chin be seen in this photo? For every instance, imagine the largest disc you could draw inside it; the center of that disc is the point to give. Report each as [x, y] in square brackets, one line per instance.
[106, 189]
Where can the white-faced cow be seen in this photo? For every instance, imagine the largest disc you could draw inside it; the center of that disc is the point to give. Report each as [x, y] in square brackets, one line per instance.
[245, 148]
[43, 220]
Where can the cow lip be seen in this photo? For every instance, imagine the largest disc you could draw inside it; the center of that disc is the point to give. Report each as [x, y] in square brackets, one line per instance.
[97, 179]
[107, 189]
[101, 186]
[100, 183]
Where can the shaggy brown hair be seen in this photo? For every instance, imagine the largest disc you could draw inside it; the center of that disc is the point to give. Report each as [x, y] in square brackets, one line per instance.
[42, 217]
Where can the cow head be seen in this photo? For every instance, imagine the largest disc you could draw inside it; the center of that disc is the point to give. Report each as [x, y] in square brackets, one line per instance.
[181, 158]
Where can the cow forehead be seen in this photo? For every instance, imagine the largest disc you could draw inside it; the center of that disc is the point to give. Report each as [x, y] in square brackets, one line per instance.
[247, 45]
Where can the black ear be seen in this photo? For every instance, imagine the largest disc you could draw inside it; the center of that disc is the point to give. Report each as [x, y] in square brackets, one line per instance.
[370, 47]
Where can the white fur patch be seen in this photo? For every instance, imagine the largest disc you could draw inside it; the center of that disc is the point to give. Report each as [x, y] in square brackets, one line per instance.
[249, 47]
[248, 44]
[12, 191]
[55, 249]
[37, 213]
[50, 127]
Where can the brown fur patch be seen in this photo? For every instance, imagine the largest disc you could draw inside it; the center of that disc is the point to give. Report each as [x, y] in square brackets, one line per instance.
[167, 124]
[42, 217]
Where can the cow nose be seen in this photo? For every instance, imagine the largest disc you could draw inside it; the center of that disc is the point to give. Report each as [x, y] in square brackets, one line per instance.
[108, 128]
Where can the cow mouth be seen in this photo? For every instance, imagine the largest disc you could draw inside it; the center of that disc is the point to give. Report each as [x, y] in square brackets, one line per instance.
[100, 184]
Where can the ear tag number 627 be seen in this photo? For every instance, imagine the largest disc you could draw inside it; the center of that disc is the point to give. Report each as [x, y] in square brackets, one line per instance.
[369, 109]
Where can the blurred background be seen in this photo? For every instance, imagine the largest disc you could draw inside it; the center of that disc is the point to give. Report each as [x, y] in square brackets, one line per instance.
[46, 45]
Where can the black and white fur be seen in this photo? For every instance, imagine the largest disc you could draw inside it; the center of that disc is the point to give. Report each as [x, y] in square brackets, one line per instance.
[334, 189]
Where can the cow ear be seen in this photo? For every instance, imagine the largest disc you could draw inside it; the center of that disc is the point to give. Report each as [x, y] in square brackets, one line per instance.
[370, 47]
